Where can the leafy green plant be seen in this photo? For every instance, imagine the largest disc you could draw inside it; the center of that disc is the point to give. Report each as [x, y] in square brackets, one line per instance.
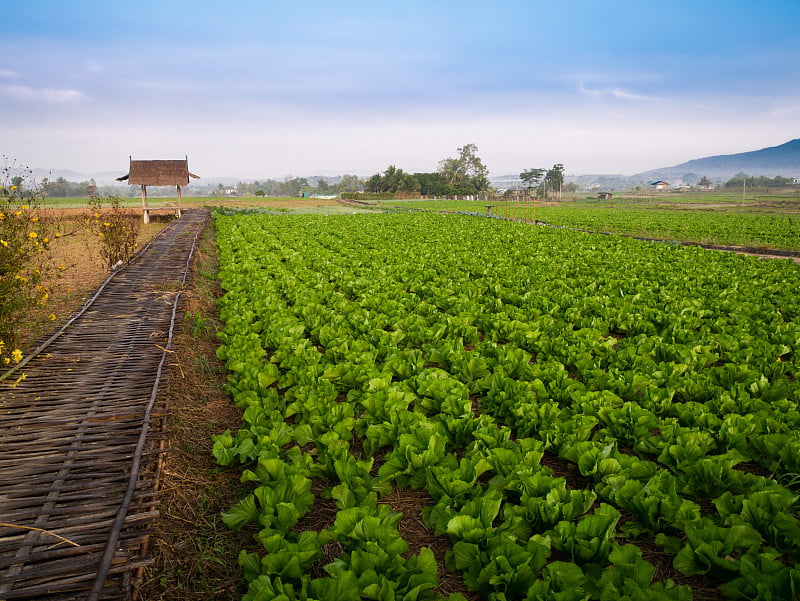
[712, 548]
[591, 539]
[455, 356]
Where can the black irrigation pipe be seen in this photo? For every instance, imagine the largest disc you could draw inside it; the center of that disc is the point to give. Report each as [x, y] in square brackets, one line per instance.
[108, 555]
[38, 350]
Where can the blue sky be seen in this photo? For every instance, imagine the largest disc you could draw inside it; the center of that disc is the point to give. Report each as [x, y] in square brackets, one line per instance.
[254, 89]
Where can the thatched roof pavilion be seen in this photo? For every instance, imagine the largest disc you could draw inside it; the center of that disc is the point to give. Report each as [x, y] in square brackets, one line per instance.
[158, 173]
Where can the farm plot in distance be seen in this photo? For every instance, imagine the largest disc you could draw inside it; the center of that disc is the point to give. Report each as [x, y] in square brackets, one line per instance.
[589, 417]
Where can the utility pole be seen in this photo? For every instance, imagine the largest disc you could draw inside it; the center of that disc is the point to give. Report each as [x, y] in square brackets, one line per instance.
[744, 188]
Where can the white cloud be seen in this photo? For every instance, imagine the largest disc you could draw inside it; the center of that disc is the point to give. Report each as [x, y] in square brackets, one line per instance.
[787, 111]
[7, 73]
[612, 92]
[43, 94]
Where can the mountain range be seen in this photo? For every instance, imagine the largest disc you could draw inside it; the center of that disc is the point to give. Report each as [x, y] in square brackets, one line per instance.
[783, 160]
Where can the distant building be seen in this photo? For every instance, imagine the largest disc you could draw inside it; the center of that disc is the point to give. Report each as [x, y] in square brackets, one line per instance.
[605, 195]
[660, 185]
[797, 181]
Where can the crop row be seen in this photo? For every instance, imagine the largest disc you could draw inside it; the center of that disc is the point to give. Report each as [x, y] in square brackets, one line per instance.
[464, 357]
[731, 226]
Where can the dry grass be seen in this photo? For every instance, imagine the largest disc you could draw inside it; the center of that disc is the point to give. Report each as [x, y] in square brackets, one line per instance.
[77, 269]
[195, 553]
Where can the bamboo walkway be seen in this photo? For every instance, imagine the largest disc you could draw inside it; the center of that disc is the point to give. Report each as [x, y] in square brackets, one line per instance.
[78, 459]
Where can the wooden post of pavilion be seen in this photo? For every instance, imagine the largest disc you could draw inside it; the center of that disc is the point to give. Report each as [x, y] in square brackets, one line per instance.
[145, 208]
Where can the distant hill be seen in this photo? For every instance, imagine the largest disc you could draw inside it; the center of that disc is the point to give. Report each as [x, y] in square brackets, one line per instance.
[107, 178]
[783, 160]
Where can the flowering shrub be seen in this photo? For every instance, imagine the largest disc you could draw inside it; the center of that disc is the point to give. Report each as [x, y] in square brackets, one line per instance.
[25, 236]
[117, 229]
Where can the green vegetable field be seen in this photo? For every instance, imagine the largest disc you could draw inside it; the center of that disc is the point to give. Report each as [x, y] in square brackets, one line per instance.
[584, 416]
[755, 225]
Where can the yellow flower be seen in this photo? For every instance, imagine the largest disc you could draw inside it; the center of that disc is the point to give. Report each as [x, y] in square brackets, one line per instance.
[16, 355]
[35, 219]
[58, 234]
[52, 317]
[3, 242]
[13, 187]
[46, 240]
[25, 207]
[107, 224]
[33, 235]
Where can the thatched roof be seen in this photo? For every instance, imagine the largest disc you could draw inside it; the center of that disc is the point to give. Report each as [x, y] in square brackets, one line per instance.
[159, 173]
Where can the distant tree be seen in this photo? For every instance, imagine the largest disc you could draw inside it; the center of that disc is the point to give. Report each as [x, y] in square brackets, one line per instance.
[467, 172]
[58, 188]
[273, 187]
[260, 193]
[392, 180]
[555, 178]
[294, 186]
[322, 186]
[374, 183]
[531, 178]
[704, 182]
[572, 187]
[758, 182]
[433, 184]
[350, 183]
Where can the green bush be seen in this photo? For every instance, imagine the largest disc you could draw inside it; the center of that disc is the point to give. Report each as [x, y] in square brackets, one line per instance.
[117, 229]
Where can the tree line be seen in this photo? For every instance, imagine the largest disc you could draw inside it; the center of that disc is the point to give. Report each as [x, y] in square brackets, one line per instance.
[540, 181]
[739, 180]
[463, 175]
[294, 186]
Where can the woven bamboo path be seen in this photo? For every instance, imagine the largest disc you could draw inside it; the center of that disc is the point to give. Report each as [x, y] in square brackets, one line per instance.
[78, 458]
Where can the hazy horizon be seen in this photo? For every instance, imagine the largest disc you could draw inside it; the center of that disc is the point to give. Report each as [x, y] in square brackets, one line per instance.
[262, 89]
